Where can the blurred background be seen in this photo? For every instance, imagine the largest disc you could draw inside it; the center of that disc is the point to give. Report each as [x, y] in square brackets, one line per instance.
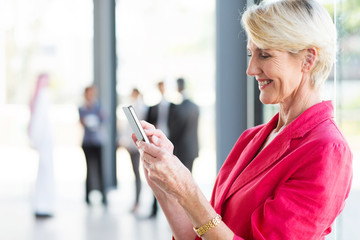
[155, 41]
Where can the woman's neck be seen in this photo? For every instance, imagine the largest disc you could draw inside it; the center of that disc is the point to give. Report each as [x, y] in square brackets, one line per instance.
[290, 110]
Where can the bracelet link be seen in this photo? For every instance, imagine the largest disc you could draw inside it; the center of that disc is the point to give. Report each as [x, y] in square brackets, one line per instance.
[211, 224]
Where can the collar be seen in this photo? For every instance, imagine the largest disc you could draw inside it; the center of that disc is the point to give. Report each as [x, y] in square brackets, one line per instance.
[309, 119]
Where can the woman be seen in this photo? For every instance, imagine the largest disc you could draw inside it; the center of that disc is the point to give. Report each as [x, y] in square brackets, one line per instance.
[287, 179]
[91, 119]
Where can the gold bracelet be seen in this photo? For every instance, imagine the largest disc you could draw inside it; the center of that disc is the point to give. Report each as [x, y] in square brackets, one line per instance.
[212, 223]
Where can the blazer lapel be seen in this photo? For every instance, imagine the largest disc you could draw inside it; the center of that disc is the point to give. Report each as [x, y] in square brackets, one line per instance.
[267, 157]
[244, 160]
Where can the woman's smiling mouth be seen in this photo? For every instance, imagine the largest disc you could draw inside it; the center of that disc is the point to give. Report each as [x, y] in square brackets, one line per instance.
[264, 83]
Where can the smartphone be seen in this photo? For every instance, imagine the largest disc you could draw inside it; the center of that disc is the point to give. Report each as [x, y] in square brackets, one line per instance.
[135, 123]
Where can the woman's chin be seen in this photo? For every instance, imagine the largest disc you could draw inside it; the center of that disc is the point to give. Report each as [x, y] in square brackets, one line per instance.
[265, 100]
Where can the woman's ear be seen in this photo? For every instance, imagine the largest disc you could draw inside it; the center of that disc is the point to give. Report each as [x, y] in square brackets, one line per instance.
[310, 58]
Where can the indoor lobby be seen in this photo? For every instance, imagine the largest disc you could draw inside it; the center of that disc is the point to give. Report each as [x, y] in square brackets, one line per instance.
[120, 45]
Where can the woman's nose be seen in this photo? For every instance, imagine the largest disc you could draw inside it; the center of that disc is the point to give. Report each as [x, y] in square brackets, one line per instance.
[253, 67]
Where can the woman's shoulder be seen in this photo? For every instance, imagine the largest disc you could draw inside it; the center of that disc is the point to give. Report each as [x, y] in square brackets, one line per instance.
[326, 144]
[327, 133]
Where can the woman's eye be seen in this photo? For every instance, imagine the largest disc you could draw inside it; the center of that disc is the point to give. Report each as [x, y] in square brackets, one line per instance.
[263, 55]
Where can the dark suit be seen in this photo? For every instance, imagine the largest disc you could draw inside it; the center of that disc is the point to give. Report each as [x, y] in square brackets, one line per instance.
[183, 131]
[152, 117]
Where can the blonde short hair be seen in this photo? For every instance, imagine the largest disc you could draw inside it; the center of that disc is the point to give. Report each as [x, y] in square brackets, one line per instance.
[294, 25]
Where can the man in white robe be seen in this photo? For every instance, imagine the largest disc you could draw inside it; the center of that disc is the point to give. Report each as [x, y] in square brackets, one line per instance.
[41, 139]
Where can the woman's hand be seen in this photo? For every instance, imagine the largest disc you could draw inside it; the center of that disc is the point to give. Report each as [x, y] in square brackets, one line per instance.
[183, 203]
[163, 170]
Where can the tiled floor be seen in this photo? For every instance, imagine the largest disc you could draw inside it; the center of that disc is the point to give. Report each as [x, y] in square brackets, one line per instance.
[74, 220]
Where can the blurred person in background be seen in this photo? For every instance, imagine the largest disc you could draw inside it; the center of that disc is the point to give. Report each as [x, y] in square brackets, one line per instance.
[184, 128]
[286, 179]
[136, 100]
[91, 119]
[41, 139]
[161, 116]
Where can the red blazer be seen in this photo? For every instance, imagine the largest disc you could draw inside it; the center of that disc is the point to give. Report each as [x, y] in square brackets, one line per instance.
[294, 188]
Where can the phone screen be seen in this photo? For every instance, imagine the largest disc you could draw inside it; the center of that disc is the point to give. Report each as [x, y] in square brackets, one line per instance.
[135, 123]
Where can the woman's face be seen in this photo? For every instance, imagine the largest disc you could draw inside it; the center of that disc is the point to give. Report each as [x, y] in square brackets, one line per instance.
[279, 74]
[91, 95]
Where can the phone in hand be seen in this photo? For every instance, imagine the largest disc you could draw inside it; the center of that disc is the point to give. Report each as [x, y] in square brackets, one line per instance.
[135, 123]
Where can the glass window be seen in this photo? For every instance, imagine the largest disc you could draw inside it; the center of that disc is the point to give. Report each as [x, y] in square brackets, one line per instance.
[45, 36]
[345, 87]
[42, 36]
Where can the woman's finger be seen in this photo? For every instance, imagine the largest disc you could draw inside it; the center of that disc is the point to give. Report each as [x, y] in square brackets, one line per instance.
[150, 130]
[146, 125]
[134, 138]
[146, 162]
[153, 151]
[156, 132]
[158, 138]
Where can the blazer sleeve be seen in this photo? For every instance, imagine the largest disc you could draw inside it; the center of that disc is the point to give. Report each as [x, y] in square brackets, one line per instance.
[309, 200]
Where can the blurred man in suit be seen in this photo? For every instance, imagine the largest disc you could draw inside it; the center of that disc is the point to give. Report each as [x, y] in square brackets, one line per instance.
[160, 115]
[184, 128]
[180, 124]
